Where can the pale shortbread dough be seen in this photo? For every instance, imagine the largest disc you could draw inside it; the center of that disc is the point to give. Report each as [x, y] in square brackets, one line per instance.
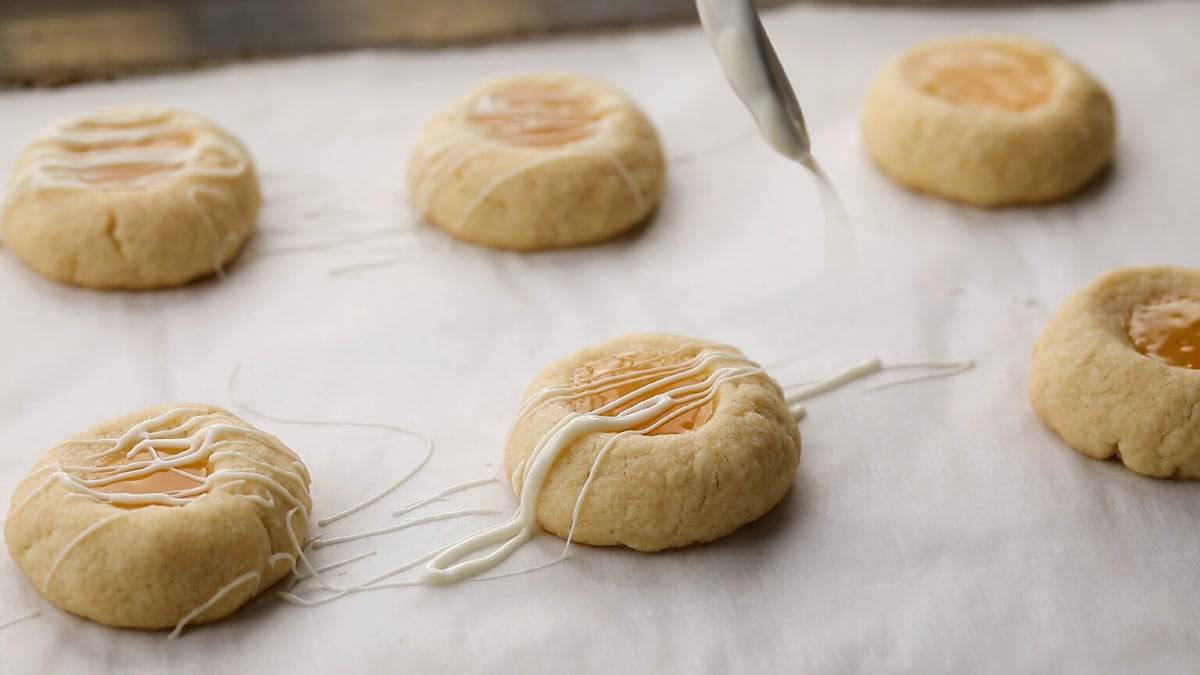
[537, 161]
[1103, 396]
[665, 491]
[988, 121]
[136, 197]
[154, 565]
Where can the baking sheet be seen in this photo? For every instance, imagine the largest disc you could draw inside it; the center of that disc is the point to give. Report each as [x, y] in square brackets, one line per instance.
[933, 528]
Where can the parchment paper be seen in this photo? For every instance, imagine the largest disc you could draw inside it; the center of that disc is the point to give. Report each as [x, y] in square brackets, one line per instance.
[932, 528]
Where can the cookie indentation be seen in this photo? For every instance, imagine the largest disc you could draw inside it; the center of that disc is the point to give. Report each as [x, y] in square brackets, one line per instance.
[621, 371]
[982, 74]
[161, 481]
[537, 114]
[116, 152]
[1168, 329]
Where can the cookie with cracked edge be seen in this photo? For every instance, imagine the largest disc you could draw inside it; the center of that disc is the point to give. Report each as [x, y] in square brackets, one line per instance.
[696, 479]
[204, 515]
[1116, 372]
[134, 197]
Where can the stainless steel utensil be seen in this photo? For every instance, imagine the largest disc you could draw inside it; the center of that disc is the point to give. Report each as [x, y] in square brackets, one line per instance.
[754, 71]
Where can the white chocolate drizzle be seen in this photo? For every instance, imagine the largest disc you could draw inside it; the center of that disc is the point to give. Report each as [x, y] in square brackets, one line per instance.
[341, 563]
[75, 153]
[182, 437]
[678, 388]
[684, 394]
[425, 456]
[253, 575]
[866, 369]
[941, 369]
[663, 390]
[79, 538]
[468, 140]
[677, 391]
[304, 570]
[402, 525]
[315, 215]
[639, 419]
[89, 153]
[20, 619]
[441, 495]
[533, 115]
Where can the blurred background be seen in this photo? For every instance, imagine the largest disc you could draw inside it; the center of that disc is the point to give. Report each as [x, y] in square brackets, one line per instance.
[48, 42]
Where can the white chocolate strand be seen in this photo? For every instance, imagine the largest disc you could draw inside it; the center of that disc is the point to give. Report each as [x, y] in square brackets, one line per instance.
[317, 222]
[24, 617]
[497, 181]
[365, 425]
[642, 417]
[635, 190]
[841, 379]
[226, 590]
[343, 240]
[73, 153]
[367, 267]
[372, 584]
[866, 369]
[403, 525]
[450, 156]
[196, 448]
[587, 483]
[944, 368]
[636, 374]
[222, 243]
[440, 496]
[468, 140]
[527, 570]
[79, 538]
[713, 366]
[679, 392]
[198, 438]
[450, 563]
[342, 563]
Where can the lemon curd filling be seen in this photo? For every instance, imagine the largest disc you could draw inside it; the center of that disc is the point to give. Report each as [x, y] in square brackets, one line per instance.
[1168, 330]
[538, 115]
[629, 362]
[983, 75]
[164, 481]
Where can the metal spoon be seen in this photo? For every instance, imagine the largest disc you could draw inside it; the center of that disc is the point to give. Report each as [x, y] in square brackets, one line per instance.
[754, 71]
